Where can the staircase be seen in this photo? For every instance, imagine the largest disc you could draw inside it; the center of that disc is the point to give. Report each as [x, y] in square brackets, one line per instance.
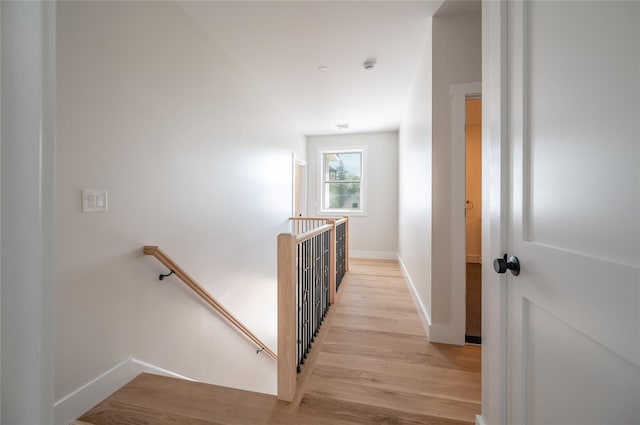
[371, 365]
[154, 399]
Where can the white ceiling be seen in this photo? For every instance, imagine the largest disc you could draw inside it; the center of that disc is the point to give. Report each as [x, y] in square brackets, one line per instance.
[281, 44]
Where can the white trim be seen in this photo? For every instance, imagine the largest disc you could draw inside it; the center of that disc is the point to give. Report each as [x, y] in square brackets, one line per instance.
[453, 333]
[480, 420]
[142, 366]
[27, 244]
[423, 313]
[465, 90]
[445, 334]
[79, 401]
[474, 258]
[1, 101]
[296, 160]
[495, 174]
[373, 255]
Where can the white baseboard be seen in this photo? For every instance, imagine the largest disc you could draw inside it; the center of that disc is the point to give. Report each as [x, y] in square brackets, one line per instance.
[78, 402]
[423, 313]
[142, 366]
[480, 420]
[445, 334]
[373, 255]
[474, 258]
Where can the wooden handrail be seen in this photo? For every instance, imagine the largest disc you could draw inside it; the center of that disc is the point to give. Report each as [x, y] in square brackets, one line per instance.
[308, 235]
[314, 218]
[202, 293]
[338, 220]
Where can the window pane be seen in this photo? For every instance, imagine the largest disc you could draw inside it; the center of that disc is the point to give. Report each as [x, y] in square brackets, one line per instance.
[343, 166]
[342, 196]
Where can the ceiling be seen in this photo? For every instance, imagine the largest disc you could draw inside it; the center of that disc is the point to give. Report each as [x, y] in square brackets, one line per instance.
[280, 45]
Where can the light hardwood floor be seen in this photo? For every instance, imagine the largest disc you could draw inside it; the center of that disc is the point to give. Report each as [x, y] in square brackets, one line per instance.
[371, 364]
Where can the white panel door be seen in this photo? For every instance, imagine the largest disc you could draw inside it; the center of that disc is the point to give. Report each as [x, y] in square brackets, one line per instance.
[573, 329]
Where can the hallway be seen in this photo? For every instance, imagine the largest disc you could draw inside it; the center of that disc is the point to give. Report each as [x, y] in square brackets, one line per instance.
[371, 365]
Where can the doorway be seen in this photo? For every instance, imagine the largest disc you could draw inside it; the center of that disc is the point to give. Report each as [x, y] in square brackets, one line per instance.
[299, 196]
[473, 219]
[460, 93]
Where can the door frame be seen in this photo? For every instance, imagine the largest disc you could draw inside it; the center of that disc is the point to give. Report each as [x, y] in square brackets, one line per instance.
[27, 283]
[299, 162]
[495, 175]
[459, 94]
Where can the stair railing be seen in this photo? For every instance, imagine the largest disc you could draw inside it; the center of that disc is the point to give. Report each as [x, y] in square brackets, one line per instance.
[174, 268]
[304, 224]
[307, 276]
[342, 249]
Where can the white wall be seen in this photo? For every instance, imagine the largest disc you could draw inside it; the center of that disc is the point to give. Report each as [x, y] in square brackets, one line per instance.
[195, 160]
[415, 181]
[374, 235]
[457, 55]
[427, 212]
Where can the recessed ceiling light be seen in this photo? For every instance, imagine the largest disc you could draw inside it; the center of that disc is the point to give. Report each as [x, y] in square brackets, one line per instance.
[342, 126]
[323, 68]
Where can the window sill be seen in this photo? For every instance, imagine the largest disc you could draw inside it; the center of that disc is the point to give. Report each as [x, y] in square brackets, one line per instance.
[342, 213]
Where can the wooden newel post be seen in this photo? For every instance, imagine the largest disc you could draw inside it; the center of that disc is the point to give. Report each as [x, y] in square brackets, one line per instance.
[287, 339]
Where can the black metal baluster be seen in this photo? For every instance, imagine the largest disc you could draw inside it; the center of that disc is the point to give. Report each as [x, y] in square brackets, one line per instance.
[311, 293]
[311, 296]
[316, 307]
[307, 294]
[299, 305]
[315, 286]
[320, 279]
[338, 255]
[327, 252]
[341, 251]
[310, 300]
[321, 283]
[315, 294]
[305, 300]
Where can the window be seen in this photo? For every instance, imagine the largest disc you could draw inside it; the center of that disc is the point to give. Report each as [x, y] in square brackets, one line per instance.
[342, 180]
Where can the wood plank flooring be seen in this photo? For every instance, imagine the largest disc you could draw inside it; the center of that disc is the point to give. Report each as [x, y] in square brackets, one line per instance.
[371, 364]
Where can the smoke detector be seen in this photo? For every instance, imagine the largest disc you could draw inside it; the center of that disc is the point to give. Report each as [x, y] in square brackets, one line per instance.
[369, 64]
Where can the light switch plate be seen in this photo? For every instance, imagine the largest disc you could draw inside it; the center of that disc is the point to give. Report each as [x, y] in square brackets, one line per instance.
[94, 200]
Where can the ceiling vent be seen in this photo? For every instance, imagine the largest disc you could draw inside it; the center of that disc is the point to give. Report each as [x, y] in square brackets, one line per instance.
[369, 64]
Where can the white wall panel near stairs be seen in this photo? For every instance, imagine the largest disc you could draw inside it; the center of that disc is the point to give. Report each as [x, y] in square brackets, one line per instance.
[196, 159]
[73, 405]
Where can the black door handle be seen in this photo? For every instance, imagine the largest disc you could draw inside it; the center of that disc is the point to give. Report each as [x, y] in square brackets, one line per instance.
[501, 265]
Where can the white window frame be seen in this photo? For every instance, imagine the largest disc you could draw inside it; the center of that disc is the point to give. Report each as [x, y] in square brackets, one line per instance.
[362, 210]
